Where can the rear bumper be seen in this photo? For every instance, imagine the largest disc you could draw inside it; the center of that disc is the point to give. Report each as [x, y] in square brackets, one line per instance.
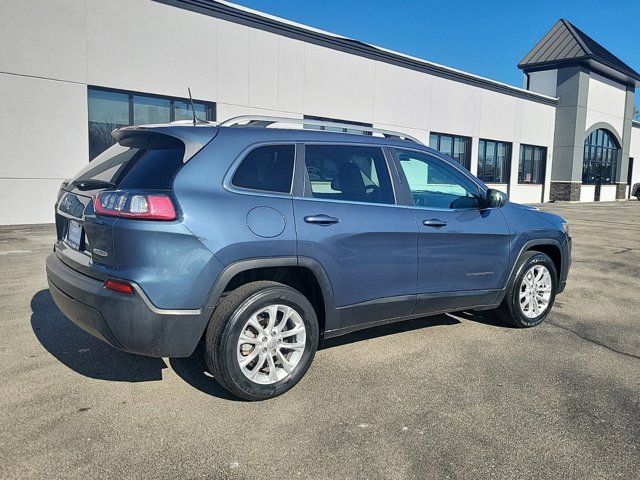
[128, 322]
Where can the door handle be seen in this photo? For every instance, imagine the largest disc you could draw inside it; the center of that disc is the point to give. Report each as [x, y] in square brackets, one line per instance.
[321, 219]
[434, 222]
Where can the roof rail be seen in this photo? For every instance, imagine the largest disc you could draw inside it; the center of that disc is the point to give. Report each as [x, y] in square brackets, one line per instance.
[258, 121]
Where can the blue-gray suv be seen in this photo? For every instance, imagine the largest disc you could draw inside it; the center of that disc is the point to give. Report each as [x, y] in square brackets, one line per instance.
[263, 241]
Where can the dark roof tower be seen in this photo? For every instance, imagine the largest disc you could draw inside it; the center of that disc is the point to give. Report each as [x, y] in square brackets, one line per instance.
[566, 45]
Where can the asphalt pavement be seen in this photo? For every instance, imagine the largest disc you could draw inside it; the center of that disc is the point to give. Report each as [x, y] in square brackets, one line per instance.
[452, 396]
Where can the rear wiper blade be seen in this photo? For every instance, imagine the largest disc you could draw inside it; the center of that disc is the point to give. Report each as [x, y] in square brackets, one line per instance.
[92, 184]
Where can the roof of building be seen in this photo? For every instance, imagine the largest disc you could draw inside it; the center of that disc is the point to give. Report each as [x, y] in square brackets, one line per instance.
[565, 44]
[260, 20]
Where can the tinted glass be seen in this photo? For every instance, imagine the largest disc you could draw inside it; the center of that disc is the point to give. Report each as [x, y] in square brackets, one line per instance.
[532, 164]
[182, 110]
[335, 129]
[493, 161]
[462, 151]
[458, 148]
[107, 111]
[502, 162]
[110, 165]
[132, 167]
[600, 162]
[446, 146]
[349, 173]
[268, 168]
[481, 159]
[434, 184]
[149, 110]
[154, 170]
[434, 140]
[490, 162]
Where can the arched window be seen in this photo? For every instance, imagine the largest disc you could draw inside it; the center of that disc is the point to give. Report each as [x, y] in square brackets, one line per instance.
[601, 154]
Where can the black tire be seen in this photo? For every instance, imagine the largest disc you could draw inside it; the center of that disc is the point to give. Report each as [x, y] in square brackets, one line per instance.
[225, 326]
[509, 311]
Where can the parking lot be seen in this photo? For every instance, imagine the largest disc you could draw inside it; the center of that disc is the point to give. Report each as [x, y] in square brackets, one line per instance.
[452, 396]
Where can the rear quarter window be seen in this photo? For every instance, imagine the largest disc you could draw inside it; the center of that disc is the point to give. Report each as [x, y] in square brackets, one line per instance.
[152, 167]
[268, 168]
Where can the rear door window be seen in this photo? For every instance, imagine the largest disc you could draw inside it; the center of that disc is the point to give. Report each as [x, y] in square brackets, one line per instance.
[349, 173]
[268, 168]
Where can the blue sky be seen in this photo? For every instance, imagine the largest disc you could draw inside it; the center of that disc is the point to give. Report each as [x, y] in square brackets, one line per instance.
[487, 38]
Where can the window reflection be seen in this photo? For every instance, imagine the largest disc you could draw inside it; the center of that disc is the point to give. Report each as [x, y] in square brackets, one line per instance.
[600, 161]
[458, 148]
[182, 110]
[336, 129]
[494, 160]
[149, 110]
[532, 164]
[109, 109]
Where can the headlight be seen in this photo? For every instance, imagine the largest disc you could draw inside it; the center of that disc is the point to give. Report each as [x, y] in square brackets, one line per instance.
[565, 227]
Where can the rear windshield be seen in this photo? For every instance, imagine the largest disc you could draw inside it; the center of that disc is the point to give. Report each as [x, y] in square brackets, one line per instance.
[133, 168]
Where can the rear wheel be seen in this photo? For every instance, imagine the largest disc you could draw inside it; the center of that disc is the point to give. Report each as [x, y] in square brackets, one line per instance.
[261, 340]
[531, 292]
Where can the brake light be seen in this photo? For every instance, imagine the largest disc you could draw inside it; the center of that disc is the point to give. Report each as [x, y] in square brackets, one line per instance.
[146, 206]
[119, 286]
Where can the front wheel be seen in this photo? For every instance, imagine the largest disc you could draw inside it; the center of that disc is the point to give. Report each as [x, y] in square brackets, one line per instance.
[261, 340]
[531, 292]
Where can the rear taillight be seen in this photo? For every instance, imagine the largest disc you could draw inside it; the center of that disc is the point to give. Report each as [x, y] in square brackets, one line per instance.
[146, 206]
[119, 286]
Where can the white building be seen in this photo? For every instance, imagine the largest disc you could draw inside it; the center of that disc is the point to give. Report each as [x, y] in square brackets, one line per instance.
[72, 70]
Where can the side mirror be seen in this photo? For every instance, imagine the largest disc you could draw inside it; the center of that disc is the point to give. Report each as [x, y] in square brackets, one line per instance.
[495, 198]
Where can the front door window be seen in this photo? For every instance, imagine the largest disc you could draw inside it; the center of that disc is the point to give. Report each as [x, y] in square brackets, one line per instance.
[434, 184]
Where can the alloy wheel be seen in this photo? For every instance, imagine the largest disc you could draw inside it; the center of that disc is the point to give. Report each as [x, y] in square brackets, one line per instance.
[535, 291]
[271, 344]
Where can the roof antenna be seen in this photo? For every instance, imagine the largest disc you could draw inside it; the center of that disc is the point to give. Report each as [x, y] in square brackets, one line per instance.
[196, 120]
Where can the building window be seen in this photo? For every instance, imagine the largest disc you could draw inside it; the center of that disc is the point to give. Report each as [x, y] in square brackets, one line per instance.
[600, 161]
[532, 164]
[494, 161]
[458, 148]
[336, 129]
[111, 109]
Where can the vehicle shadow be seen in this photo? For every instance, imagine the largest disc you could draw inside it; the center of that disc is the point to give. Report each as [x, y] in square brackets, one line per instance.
[390, 329]
[486, 317]
[83, 353]
[93, 358]
[195, 372]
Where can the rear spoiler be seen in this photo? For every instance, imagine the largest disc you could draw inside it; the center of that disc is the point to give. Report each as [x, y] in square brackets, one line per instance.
[193, 138]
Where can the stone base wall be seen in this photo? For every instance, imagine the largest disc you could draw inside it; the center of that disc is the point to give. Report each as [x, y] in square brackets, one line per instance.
[621, 191]
[565, 191]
